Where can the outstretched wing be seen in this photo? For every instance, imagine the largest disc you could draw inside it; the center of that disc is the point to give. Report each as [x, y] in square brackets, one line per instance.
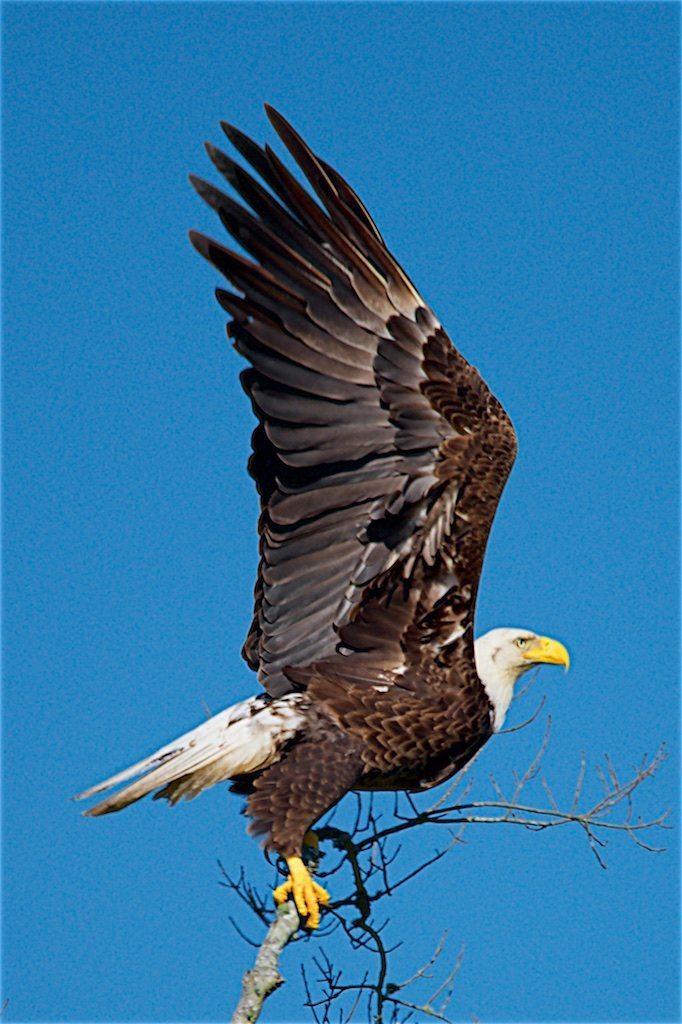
[380, 454]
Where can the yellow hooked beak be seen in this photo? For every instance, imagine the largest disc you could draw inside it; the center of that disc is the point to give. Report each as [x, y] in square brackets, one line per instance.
[547, 651]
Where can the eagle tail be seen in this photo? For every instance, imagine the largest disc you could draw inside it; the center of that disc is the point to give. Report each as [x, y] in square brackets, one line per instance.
[240, 740]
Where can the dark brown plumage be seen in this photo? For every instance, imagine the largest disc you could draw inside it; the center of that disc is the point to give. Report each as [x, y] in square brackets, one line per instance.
[379, 457]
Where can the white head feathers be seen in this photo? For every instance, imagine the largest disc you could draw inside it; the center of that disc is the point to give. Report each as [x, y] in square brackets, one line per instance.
[504, 655]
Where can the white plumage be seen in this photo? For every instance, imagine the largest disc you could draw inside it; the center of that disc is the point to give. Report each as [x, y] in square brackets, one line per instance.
[241, 739]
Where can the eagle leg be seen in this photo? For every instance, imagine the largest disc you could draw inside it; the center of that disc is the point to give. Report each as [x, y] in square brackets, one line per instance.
[308, 895]
[292, 794]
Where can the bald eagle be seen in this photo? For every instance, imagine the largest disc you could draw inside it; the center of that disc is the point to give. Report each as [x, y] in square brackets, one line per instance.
[379, 457]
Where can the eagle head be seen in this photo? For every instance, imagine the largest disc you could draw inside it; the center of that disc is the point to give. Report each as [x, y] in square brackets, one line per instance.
[504, 655]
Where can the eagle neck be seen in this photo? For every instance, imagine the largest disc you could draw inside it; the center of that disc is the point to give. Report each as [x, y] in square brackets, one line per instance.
[497, 682]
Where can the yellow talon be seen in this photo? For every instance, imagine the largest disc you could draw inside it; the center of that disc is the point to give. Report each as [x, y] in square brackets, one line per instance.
[308, 895]
[281, 893]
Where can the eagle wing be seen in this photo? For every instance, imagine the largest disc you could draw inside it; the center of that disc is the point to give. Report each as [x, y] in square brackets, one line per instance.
[380, 454]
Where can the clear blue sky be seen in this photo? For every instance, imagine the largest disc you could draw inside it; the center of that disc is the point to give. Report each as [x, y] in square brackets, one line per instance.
[522, 162]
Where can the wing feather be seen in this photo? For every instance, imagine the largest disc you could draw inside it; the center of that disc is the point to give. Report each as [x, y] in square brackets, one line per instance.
[380, 453]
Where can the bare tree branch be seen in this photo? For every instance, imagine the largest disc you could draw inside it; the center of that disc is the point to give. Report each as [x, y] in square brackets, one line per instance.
[366, 857]
[264, 977]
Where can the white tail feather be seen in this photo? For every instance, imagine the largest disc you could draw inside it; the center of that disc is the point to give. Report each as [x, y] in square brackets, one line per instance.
[242, 739]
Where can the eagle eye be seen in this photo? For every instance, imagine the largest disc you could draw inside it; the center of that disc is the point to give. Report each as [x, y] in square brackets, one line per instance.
[521, 641]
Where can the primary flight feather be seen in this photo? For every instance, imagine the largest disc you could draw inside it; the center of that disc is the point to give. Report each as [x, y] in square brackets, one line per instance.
[379, 456]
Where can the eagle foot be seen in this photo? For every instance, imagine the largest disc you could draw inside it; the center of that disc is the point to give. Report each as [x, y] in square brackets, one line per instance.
[308, 895]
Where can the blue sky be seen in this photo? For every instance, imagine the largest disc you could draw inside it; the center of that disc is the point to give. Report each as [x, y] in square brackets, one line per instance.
[522, 162]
